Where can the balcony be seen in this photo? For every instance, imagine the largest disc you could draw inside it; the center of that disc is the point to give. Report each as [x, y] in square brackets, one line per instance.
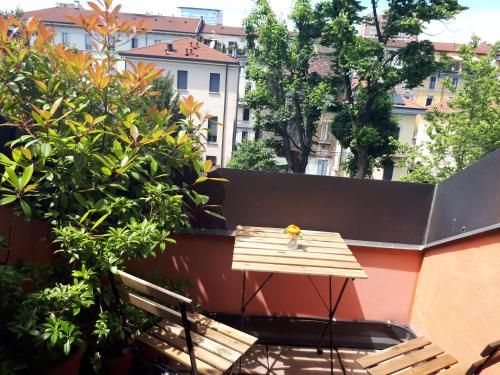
[430, 253]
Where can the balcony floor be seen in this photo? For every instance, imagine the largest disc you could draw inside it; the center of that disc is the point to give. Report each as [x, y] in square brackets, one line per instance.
[288, 360]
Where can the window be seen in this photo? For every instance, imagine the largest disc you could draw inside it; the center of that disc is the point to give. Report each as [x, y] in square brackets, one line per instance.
[214, 82]
[429, 101]
[388, 172]
[454, 82]
[212, 158]
[244, 135]
[88, 42]
[135, 42]
[398, 131]
[65, 39]
[322, 167]
[246, 114]
[182, 80]
[212, 129]
[432, 83]
[324, 133]
[157, 41]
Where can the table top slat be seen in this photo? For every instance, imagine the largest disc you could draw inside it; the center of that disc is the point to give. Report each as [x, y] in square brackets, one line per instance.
[320, 253]
[294, 254]
[295, 261]
[299, 270]
[306, 241]
[302, 247]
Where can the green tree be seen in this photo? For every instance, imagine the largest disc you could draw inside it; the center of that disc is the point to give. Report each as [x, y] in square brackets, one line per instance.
[166, 97]
[254, 155]
[17, 13]
[287, 97]
[469, 130]
[368, 72]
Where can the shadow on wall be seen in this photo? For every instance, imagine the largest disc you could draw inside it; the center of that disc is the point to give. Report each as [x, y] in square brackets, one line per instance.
[206, 260]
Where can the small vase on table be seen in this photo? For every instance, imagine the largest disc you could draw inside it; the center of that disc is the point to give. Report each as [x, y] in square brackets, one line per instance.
[294, 234]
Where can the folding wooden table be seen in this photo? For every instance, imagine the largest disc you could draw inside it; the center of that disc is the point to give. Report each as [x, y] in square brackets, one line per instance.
[262, 249]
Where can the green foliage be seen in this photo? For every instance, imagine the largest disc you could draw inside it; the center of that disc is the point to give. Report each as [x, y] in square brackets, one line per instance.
[469, 130]
[288, 98]
[17, 13]
[364, 72]
[254, 155]
[167, 96]
[113, 175]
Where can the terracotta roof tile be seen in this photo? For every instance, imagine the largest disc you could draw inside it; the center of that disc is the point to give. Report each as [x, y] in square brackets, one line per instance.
[223, 30]
[482, 49]
[159, 23]
[183, 49]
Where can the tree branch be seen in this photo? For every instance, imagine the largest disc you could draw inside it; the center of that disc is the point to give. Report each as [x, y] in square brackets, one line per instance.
[375, 19]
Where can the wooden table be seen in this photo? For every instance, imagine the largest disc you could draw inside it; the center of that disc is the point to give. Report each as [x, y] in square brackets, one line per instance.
[266, 250]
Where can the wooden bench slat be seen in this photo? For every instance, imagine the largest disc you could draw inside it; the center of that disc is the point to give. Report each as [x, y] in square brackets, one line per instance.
[432, 366]
[455, 370]
[151, 306]
[223, 328]
[383, 355]
[304, 270]
[176, 354]
[302, 247]
[406, 360]
[201, 353]
[152, 290]
[295, 254]
[294, 261]
[201, 341]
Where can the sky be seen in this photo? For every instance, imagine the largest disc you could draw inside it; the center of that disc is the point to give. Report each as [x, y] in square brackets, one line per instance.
[481, 18]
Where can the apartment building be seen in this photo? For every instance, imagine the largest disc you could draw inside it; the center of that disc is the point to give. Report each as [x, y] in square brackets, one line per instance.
[209, 15]
[200, 56]
[161, 29]
[432, 92]
[207, 74]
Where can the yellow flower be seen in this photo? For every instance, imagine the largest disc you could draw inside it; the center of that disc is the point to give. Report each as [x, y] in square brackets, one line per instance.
[293, 230]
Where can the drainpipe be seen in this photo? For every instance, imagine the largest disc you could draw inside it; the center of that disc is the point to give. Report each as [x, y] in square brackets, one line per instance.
[224, 118]
[235, 127]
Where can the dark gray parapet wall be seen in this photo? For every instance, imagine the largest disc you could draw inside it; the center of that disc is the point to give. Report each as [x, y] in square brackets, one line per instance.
[362, 210]
[467, 203]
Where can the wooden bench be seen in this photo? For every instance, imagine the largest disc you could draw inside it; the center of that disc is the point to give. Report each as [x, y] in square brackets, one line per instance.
[191, 339]
[420, 357]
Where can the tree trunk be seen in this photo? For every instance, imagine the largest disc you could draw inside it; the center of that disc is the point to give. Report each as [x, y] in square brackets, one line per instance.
[362, 163]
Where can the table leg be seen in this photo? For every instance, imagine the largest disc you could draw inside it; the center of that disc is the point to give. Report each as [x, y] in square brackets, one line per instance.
[329, 324]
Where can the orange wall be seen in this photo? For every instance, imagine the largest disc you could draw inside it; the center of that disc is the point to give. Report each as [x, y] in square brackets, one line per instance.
[206, 260]
[457, 301]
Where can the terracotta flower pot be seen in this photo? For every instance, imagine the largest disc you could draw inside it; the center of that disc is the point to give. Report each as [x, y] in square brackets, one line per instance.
[118, 365]
[71, 366]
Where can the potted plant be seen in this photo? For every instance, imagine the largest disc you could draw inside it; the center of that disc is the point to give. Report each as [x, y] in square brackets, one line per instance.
[109, 172]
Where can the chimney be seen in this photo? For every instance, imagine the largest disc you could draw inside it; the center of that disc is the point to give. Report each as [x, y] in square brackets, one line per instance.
[197, 44]
[187, 52]
[190, 51]
[191, 44]
[170, 47]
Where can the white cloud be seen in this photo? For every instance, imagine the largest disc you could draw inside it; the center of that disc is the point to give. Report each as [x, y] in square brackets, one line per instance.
[482, 23]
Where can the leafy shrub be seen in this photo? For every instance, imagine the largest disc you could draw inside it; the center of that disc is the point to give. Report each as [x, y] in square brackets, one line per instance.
[111, 174]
